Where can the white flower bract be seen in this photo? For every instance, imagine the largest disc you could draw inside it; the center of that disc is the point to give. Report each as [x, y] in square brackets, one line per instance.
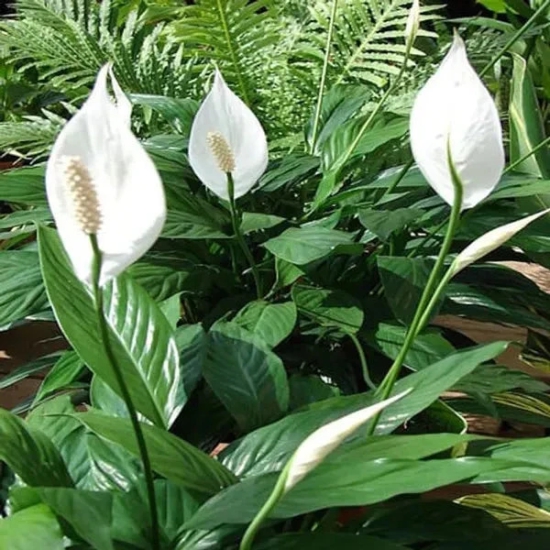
[413, 23]
[491, 241]
[234, 125]
[313, 450]
[123, 194]
[455, 109]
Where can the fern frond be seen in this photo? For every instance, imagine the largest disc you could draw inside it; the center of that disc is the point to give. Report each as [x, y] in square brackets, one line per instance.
[233, 33]
[31, 137]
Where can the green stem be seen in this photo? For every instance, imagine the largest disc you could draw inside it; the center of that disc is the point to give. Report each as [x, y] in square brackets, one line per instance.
[239, 236]
[265, 510]
[429, 297]
[525, 157]
[362, 359]
[517, 35]
[376, 110]
[125, 392]
[317, 116]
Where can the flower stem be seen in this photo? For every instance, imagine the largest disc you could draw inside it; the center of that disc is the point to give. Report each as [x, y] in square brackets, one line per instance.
[517, 35]
[433, 289]
[317, 115]
[265, 510]
[104, 334]
[239, 235]
[363, 360]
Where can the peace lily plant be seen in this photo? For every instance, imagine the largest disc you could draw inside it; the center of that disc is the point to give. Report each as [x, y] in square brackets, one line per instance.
[108, 203]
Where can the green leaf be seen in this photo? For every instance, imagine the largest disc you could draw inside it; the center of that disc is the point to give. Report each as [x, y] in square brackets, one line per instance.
[152, 373]
[526, 125]
[287, 273]
[267, 449]
[179, 112]
[171, 456]
[26, 217]
[247, 377]
[32, 528]
[21, 289]
[329, 308]
[292, 169]
[28, 369]
[30, 454]
[24, 186]
[327, 541]
[186, 225]
[306, 244]
[498, 6]
[309, 389]
[271, 322]
[253, 221]
[88, 513]
[192, 343]
[404, 280]
[385, 222]
[66, 370]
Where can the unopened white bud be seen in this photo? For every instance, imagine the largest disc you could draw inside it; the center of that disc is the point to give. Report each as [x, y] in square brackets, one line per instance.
[83, 193]
[413, 24]
[222, 151]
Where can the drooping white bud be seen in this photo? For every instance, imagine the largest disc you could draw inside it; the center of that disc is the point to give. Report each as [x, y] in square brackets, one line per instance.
[491, 241]
[87, 211]
[222, 151]
[413, 24]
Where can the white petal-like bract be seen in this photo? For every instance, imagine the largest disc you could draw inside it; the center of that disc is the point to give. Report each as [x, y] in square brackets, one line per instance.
[224, 116]
[323, 441]
[129, 190]
[491, 241]
[455, 109]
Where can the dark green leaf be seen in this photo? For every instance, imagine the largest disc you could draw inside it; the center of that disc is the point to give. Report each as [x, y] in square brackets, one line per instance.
[306, 244]
[66, 370]
[247, 377]
[292, 169]
[23, 185]
[252, 221]
[385, 222]
[171, 456]
[327, 541]
[271, 322]
[192, 343]
[177, 111]
[329, 308]
[152, 373]
[21, 289]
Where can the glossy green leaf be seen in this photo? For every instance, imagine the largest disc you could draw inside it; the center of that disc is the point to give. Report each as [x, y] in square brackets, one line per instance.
[526, 125]
[24, 186]
[32, 528]
[28, 369]
[22, 292]
[171, 456]
[192, 344]
[329, 308]
[88, 513]
[385, 222]
[267, 449]
[152, 372]
[94, 463]
[306, 244]
[66, 370]
[186, 225]
[292, 169]
[254, 221]
[30, 454]
[271, 322]
[404, 280]
[247, 377]
[305, 390]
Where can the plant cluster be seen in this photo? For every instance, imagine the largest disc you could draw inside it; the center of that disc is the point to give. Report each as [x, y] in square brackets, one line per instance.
[250, 291]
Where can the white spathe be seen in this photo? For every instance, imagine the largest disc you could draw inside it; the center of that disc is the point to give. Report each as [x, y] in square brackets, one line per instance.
[455, 109]
[413, 24]
[491, 241]
[313, 450]
[128, 187]
[223, 113]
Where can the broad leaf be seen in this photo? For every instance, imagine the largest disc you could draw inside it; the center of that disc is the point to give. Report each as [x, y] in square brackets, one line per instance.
[21, 289]
[247, 377]
[171, 456]
[30, 454]
[306, 244]
[271, 322]
[327, 541]
[24, 186]
[134, 321]
[32, 528]
[329, 308]
[66, 370]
